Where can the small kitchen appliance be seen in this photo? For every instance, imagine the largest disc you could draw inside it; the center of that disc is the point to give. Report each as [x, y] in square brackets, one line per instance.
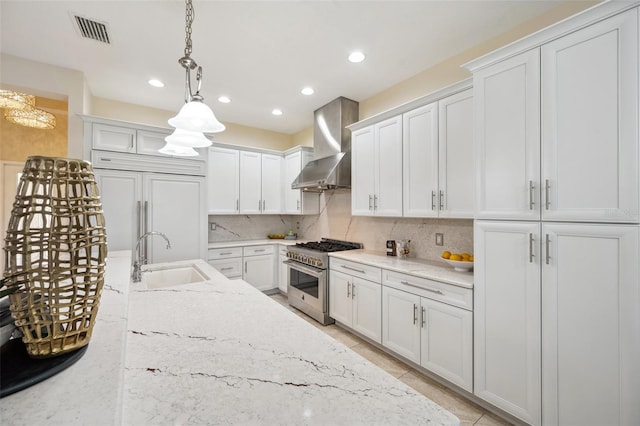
[308, 281]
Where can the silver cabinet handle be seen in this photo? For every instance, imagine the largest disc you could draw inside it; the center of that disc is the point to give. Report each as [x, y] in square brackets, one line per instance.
[423, 319]
[423, 288]
[353, 269]
[146, 227]
[237, 205]
[105, 159]
[264, 205]
[531, 248]
[433, 200]
[353, 290]
[259, 205]
[546, 194]
[441, 200]
[415, 313]
[370, 198]
[245, 266]
[259, 250]
[226, 269]
[547, 243]
[348, 289]
[531, 200]
[375, 202]
[226, 253]
[297, 204]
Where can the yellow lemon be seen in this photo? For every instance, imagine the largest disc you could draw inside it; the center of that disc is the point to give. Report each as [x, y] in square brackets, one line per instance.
[465, 256]
[455, 256]
[470, 259]
[446, 254]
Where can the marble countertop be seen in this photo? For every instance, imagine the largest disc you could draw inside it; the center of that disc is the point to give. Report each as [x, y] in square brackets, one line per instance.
[245, 243]
[433, 270]
[214, 352]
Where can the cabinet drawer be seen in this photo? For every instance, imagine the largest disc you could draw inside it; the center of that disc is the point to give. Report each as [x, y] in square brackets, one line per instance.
[258, 250]
[224, 253]
[355, 269]
[230, 268]
[435, 290]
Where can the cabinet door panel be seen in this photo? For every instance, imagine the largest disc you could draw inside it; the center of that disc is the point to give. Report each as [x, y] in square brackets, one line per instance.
[507, 360]
[340, 298]
[507, 134]
[271, 184]
[362, 171]
[258, 271]
[121, 195]
[388, 164]
[446, 342]
[590, 123]
[400, 326]
[114, 138]
[250, 182]
[420, 156]
[292, 167]
[456, 168]
[223, 180]
[591, 325]
[367, 308]
[150, 142]
[177, 208]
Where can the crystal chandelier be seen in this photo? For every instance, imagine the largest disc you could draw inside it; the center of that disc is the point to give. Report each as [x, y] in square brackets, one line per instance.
[20, 109]
[195, 117]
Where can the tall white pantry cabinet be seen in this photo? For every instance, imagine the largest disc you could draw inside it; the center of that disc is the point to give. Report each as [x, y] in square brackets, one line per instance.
[557, 235]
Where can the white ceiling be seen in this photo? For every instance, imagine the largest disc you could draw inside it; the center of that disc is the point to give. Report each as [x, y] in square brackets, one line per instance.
[259, 53]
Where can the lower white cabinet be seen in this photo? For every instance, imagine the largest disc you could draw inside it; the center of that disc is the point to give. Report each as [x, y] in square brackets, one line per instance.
[436, 335]
[227, 260]
[557, 317]
[356, 303]
[259, 266]
[283, 276]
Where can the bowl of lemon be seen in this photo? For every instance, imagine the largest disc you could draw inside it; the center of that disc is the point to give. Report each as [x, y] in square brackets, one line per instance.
[462, 262]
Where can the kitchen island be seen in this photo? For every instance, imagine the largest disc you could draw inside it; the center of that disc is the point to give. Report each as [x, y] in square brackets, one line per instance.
[221, 352]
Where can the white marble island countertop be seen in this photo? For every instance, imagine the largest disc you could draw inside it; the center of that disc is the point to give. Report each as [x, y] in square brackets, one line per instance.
[221, 352]
[429, 269]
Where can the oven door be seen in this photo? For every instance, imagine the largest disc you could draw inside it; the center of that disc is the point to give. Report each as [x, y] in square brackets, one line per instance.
[307, 288]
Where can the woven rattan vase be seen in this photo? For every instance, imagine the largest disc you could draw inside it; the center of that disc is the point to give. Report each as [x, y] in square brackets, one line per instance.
[56, 244]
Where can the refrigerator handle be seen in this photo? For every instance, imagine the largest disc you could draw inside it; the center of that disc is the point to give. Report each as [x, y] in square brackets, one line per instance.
[146, 228]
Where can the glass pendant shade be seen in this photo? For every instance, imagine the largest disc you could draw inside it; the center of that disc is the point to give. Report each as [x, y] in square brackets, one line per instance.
[178, 151]
[197, 117]
[188, 139]
[16, 100]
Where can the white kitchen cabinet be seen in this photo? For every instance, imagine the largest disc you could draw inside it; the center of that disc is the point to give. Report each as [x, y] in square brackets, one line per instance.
[297, 201]
[583, 165]
[590, 121]
[429, 323]
[223, 181]
[113, 138]
[139, 202]
[590, 324]
[356, 303]
[259, 266]
[260, 183]
[507, 303]
[227, 260]
[377, 169]
[283, 276]
[437, 146]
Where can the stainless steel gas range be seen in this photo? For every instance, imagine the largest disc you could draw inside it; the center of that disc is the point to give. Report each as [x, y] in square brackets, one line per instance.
[308, 282]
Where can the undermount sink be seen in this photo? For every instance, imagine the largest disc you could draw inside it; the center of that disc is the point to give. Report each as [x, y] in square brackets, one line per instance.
[172, 276]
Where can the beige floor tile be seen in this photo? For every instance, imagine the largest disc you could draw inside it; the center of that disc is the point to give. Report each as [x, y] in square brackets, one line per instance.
[466, 411]
[489, 419]
[348, 339]
[381, 359]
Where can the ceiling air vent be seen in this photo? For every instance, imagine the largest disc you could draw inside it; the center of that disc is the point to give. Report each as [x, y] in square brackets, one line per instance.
[92, 29]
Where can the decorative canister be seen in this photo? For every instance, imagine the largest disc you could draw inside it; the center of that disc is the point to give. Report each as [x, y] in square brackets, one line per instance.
[55, 250]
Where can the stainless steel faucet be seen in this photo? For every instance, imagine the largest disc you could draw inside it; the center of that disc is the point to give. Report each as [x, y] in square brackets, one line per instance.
[136, 274]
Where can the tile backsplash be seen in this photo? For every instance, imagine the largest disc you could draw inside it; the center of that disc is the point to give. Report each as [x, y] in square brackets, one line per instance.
[335, 221]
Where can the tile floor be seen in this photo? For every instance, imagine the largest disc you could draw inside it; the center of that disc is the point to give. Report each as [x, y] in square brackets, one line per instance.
[468, 412]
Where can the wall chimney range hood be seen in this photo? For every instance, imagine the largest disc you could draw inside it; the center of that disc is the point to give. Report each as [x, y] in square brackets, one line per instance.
[331, 166]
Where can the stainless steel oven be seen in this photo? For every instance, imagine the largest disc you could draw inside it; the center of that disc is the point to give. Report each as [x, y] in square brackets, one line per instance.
[308, 281]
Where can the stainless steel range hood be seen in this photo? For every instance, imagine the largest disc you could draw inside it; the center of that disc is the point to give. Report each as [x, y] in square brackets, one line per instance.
[331, 166]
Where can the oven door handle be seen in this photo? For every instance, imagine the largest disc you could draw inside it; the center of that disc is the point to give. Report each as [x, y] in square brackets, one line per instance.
[316, 272]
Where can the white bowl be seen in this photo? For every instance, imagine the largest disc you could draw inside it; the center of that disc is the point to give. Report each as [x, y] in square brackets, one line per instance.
[459, 265]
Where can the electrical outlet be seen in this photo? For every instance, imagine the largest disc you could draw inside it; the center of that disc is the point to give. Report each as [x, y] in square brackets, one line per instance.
[439, 239]
[212, 226]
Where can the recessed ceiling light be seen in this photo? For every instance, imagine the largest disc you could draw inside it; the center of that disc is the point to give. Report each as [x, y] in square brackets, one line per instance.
[276, 112]
[224, 99]
[156, 83]
[356, 56]
[307, 91]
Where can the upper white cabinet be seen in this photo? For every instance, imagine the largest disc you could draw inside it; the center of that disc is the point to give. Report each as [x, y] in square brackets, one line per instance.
[114, 138]
[297, 201]
[260, 183]
[437, 147]
[223, 180]
[377, 169]
[583, 164]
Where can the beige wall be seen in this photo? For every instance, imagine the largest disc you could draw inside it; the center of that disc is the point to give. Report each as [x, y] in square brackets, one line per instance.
[19, 142]
[450, 71]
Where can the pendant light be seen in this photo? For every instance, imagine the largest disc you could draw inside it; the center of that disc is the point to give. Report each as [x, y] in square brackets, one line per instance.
[16, 100]
[195, 117]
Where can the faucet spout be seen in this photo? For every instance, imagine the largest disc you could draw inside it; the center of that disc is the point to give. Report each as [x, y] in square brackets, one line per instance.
[136, 274]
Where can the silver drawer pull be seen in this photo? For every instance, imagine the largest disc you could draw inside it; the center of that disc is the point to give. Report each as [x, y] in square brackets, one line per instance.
[353, 269]
[415, 313]
[226, 269]
[225, 253]
[259, 250]
[105, 159]
[419, 286]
